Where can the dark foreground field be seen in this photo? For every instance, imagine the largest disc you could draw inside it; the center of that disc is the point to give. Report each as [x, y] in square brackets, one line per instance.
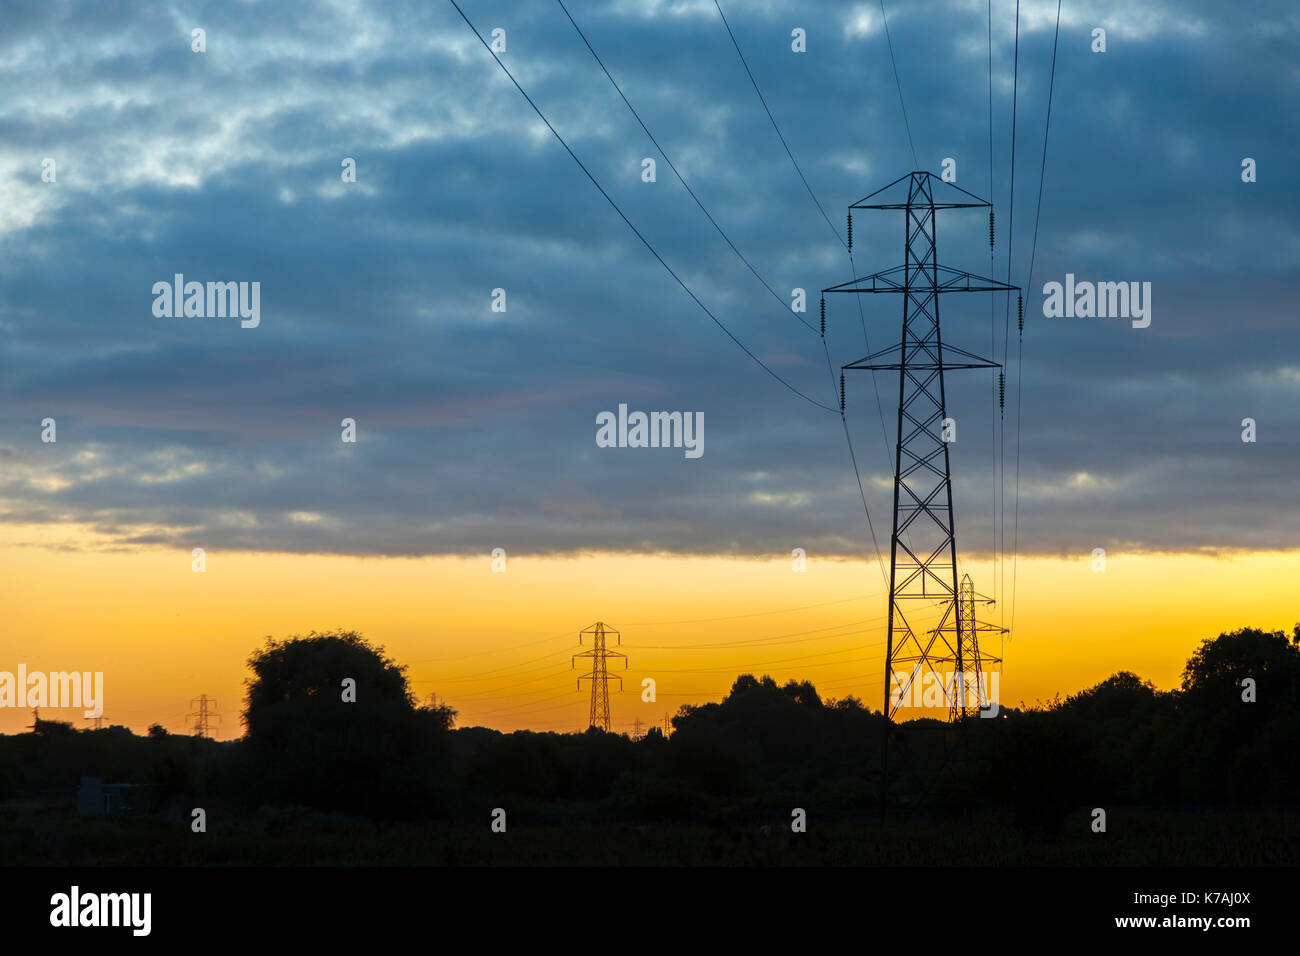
[32, 835]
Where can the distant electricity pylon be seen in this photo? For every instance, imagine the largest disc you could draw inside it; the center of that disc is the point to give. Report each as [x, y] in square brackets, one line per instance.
[203, 714]
[599, 675]
[969, 676]
[924, 605]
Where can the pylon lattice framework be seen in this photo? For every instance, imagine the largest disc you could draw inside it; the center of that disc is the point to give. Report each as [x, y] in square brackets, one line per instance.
[203, 715]
[599, 675]
[969, 680]
[924, 607]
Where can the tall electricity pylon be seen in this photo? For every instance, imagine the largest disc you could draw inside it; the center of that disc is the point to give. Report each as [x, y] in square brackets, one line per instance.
[924, 609]
[599, 675]
[203, 715]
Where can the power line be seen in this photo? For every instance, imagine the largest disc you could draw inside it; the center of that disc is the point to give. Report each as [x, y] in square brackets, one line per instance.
[773, 640]
[721, 232]
[500, 672]
[677, 173]
[784, 660]
[880, 412]
[749, 668]
[644, 241]
[495, 650]
[916, 164]
[565, 694]
[461, 680]
[1006, 323]
[506, 667]
[1047, 126]
[761, 642]
[802, 178]
[700, 204]
[497, 691]
[880, 560]
[848, 437]
[736, 617]
[993, 350]
[798, 171]
[868, 679]
[514, 707]
[743, 63]
[880, 409]
[497, 712]
[736, 250]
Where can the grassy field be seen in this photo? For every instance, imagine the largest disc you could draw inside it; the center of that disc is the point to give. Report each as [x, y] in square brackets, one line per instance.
[36, 835]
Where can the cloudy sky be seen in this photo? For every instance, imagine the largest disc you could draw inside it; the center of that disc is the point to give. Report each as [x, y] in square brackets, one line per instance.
[476, 429]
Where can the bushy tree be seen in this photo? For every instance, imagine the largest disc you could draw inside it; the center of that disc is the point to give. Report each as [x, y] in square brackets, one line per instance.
[368, 751]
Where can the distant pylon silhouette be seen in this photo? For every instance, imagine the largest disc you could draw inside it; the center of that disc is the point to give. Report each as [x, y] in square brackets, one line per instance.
[970, 691]
[599, 675]
[203, 715]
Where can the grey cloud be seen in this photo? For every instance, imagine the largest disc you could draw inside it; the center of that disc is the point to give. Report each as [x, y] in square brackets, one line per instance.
[477, 430]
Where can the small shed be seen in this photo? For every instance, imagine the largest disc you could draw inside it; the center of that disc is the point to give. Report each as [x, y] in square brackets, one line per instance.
[98, 799]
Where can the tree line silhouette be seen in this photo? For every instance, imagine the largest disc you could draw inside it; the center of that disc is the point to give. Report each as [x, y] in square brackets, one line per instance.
[1227, 736]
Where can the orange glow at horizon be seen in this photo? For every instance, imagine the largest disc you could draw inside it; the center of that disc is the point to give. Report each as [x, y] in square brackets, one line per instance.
[497, 646]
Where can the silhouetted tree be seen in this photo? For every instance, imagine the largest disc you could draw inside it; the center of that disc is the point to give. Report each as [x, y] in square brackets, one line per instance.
[748, 682]
[52, 728]
[1220, 664]
[368, 751]
[802, 692]
[1235, 746]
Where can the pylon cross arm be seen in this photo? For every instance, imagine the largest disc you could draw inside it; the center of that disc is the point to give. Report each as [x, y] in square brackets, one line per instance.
[953, 280]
